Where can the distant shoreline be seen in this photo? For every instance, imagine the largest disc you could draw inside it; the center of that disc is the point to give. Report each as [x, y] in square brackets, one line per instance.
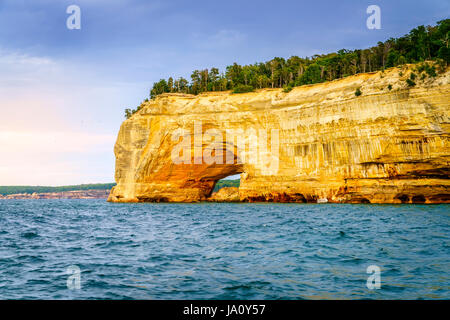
[83, 191]
[17, 190]
[74, 194]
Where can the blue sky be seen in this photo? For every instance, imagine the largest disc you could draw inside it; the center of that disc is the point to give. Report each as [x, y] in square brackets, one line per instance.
[63, 92]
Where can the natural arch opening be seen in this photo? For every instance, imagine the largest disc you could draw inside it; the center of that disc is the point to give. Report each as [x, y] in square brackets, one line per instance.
[189, 176]
[226, 189]
[226, 166]
[233, 181]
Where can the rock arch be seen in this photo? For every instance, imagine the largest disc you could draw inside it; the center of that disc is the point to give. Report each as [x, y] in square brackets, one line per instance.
[332, 145]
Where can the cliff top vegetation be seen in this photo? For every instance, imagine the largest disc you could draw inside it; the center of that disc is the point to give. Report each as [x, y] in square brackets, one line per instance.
[420, 44]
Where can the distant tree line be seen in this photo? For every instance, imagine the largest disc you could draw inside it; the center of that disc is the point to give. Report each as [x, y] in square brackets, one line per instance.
[6, 190]
[226, 183]
[420, 44]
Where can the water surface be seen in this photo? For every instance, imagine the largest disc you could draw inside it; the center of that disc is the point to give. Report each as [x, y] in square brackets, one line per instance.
[222, 251]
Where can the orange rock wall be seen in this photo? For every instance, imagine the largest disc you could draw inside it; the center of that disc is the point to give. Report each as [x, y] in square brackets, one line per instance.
[385, 146]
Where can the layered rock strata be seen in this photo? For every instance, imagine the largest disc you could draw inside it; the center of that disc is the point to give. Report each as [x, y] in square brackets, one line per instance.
[321, 141]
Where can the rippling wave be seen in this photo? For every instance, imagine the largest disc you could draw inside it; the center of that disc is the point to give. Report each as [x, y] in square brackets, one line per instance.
[222, 251]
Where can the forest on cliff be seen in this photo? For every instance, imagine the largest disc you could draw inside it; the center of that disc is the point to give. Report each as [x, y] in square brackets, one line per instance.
[420, 44]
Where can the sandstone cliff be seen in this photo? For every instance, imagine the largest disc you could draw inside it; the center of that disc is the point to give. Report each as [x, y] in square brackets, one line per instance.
[226, 194]
[385, 146]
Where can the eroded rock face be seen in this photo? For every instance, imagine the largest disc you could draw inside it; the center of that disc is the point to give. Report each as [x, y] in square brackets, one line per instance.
[226, 194]
[385, 146]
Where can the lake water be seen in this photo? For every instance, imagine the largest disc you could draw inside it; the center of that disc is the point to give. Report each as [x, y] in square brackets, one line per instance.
[222, 251]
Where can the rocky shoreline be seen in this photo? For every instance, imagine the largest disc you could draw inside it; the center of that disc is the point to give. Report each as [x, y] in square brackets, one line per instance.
[225, 194]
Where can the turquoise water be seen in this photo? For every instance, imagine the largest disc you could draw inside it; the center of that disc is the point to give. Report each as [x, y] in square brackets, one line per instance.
[222, 251]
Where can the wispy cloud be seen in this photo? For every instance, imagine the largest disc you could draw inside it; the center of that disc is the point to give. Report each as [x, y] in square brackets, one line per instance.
[19, 69]
[55, 158]
[47, 135]
[226, 38]
[222, 39]
[49, 143]
[16, 58]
